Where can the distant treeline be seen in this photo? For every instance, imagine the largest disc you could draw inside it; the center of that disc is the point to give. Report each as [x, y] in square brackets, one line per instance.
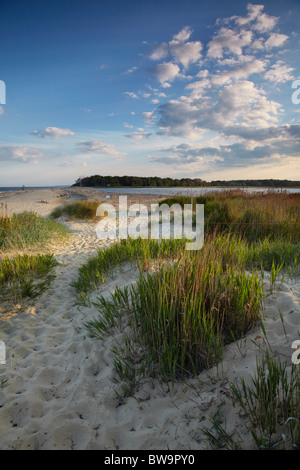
[155, 181]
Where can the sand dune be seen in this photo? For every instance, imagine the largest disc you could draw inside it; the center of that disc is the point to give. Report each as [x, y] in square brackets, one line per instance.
[60, 382]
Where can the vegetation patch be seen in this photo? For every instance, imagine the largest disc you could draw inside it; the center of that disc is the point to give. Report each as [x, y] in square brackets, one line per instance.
[79, 210]
[25, 276]
[28, 230]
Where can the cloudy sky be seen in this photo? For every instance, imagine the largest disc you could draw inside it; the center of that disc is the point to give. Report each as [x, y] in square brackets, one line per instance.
[150, 88]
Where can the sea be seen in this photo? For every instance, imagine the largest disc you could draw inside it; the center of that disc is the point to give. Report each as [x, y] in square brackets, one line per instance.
[169, 191]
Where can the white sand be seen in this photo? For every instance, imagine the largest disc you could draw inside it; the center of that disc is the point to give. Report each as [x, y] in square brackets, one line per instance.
[60, 382]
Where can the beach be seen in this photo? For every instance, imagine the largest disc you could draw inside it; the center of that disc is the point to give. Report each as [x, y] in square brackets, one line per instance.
[60, 389]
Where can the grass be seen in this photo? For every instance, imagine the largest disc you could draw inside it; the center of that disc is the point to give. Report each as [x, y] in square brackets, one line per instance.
[182, 316]
[93, 273]
[28, 230]
[272, 403]
[25, 276]
[182, 313]
[79, 210]
[255, 216]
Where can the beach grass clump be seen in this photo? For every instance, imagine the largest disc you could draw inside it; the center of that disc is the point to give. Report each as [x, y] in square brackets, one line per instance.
[182, 315]
[26, 276]
[139, 251]
[29, 230]
[79, 210]
[271, 401]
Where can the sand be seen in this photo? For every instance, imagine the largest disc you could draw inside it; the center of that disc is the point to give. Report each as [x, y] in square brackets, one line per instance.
[60, 389]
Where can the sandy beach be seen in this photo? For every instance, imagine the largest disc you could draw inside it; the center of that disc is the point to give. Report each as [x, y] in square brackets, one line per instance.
[60, 389]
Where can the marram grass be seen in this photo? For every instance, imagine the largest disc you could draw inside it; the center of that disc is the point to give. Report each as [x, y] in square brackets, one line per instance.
[184, 314]
[29, 230]
[25, 276]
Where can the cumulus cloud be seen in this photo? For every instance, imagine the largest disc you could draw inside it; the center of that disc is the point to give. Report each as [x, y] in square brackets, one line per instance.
[183, 35]
[241, 72]
[21, 153]
[228, 40]
[181, 51]
[277, 143]
[228, 95]
[186, 53]
[165, 72]
[53, 132]
[239, 104]
[279, 73]
[98, 147]
[275, 40]
[149, 117]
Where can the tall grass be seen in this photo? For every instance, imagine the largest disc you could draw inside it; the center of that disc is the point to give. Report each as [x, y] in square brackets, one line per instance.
[256, 216]
[28, 230]
[272, 403]
[25, 276]
[181, 316]
[93, 273]
[184, 314]
[79, 210]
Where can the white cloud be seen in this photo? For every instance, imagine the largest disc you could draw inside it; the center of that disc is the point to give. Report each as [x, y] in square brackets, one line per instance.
[98, 147]
[131, 94]
[21, 153]
[160, 52]
[148, 116]
[131, 70]
[182, 52]
[53, 132]
[228, 40]
[166, 72]
[241, 104]
[275, 40]
[265, 23]
[183, 35]
[1, 110]
[138, 135]
[279, 73]
[241, 72]
[253, 12]
[186, 53]
[128, 126]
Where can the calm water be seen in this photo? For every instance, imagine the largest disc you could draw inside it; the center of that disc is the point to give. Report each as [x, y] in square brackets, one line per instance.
[158, 191]
[183, 191]
[19, 188]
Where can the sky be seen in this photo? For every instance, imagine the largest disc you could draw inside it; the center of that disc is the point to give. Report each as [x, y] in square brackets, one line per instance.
[198, 89]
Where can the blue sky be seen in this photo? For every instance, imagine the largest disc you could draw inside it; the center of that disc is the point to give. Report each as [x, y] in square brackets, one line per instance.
[149, 88]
